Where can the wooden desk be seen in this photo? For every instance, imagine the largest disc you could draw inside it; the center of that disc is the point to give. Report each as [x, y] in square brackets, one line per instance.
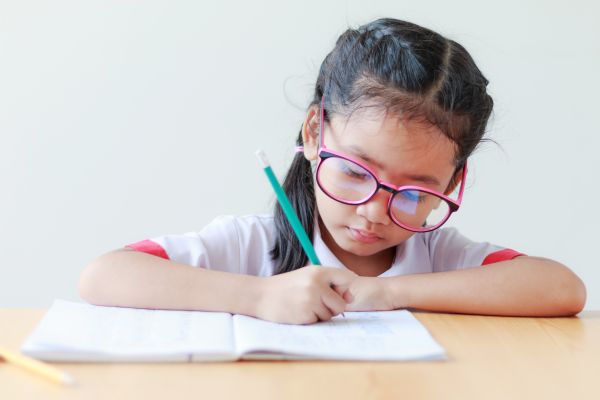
[489, 358]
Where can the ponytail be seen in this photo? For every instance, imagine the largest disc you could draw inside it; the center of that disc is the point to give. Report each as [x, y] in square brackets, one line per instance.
[298, 186]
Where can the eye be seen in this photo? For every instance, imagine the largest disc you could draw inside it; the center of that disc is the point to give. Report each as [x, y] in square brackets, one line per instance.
[413, 195]
[354, 171]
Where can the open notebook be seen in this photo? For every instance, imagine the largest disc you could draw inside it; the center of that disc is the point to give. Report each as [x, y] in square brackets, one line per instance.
[81, 332]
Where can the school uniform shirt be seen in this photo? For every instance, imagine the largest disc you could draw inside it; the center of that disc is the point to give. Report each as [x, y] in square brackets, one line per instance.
[242, 245]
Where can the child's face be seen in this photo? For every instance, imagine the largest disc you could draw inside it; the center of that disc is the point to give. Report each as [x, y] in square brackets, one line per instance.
[400, 153]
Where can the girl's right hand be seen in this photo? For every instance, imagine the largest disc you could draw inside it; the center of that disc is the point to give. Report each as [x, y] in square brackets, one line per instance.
[305, 296]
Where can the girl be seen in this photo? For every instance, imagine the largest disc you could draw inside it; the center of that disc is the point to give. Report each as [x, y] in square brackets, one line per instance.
[397, 110]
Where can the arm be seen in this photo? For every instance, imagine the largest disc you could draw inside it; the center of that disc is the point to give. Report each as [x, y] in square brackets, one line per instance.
[128, 278]
[524, 286]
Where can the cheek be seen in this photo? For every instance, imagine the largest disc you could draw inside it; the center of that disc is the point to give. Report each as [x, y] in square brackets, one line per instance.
[332, 210]
[400, 235]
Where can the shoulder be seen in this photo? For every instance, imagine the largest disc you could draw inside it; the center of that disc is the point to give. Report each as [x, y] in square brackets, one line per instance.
[422, 252]
[243, 226]
[443, 237]
[228, 243]
[449, 250]
[428, 243]
[247, 238]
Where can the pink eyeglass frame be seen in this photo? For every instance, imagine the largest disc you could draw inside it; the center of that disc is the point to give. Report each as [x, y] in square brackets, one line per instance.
[453, 205]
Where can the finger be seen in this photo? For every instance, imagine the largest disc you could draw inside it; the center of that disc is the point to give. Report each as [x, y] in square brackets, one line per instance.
[348, 296]
[344, 294]
[340, 279]
[322, 312]
[338, 289]
[333, 301]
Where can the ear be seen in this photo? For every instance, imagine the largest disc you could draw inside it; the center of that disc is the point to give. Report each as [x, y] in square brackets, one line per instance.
[310, 133]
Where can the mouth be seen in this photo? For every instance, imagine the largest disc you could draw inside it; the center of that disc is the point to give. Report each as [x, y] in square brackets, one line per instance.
[363, 236]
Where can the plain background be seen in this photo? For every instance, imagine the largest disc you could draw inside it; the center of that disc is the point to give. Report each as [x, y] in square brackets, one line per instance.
[121, 121]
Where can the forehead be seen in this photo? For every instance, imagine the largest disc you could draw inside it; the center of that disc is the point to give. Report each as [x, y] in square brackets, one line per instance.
[396, 147]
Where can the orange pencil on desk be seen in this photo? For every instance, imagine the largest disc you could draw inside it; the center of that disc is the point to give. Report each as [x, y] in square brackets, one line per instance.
[35, 366]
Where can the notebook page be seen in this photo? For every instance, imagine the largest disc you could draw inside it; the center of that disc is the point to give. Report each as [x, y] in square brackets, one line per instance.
[82, 332]
[382, 335]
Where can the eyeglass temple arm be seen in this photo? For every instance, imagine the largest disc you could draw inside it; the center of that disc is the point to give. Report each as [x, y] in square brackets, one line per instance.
[462, 183]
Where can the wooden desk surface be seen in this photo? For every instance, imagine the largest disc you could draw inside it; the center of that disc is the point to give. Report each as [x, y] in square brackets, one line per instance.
[489, 358]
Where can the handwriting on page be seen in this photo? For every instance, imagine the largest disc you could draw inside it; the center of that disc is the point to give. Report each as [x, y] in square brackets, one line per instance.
[128, 330]
[367, 324]
[361, 335]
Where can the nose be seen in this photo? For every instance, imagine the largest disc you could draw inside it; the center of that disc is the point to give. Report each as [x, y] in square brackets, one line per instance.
[375, 210]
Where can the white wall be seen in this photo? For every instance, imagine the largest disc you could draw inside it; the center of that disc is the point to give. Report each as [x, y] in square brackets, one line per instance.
[121, 121]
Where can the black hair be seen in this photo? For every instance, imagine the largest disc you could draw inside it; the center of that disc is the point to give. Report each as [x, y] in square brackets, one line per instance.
[405, 69]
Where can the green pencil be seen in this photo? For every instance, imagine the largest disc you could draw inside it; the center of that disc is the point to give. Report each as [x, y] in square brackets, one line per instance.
[288, 209]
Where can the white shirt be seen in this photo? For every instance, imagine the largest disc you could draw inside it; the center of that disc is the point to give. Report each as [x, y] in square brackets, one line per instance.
[243, 245]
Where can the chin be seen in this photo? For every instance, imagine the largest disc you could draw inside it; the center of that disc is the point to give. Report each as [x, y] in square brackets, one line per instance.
[364, 252]
[360, 249]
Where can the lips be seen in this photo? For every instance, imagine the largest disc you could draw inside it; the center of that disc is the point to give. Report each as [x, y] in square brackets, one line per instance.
[363, 236]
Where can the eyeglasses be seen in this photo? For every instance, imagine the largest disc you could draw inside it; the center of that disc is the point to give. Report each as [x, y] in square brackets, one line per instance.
[349, 181]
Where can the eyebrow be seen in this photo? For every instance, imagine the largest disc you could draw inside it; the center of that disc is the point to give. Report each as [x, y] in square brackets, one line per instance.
[428, 179]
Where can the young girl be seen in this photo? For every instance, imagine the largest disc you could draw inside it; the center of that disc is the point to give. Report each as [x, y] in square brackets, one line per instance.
[381, 166]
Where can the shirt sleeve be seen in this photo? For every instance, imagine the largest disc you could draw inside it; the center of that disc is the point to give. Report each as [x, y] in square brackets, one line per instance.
[450, 250]
[228, 243]
[216, 246]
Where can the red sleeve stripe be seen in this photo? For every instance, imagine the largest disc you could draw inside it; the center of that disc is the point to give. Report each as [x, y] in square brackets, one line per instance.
[149, 247]
[501, 255]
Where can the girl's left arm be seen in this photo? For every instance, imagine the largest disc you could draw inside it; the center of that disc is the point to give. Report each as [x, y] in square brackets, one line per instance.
[523, 286]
